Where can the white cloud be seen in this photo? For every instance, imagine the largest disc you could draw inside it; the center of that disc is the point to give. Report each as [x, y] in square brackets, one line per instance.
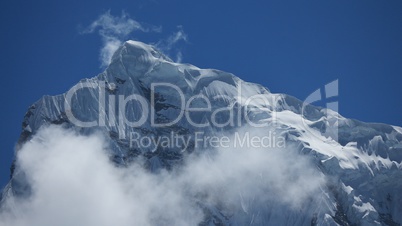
[74, 183]
[114, 30]
[109, 48]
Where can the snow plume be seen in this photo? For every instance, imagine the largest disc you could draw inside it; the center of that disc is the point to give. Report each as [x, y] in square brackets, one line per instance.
[169, 44]
[73, 182]
[113, 31]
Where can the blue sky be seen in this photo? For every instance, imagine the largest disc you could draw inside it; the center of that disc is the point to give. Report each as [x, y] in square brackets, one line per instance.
[292, 47]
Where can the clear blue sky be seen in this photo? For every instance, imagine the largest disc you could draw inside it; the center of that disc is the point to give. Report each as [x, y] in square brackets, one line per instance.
[291, 47]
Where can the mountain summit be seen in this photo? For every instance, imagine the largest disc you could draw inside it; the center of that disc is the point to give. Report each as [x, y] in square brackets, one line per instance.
[353, 170]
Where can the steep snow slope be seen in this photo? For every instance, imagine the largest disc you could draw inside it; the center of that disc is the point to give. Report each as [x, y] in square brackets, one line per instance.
[361, 163]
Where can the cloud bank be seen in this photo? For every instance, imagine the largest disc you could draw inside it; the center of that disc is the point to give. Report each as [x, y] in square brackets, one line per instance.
[74, 182]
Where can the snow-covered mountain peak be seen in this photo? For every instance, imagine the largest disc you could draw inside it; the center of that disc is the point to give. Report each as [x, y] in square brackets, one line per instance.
[362, 163]
[134, 59]
[134, 51]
